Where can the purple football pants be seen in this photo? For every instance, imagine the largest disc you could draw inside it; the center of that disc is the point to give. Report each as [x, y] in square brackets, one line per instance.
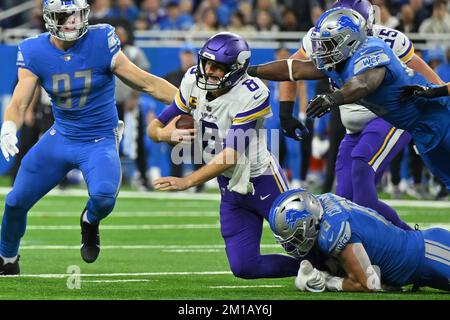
[241, 220]
[361, 161]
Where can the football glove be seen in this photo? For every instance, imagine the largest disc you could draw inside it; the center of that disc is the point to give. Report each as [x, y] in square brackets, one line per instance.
[323, 103]
[120, 129]
[309, 278]
[421, 91]
[290, 126]
[8, 139]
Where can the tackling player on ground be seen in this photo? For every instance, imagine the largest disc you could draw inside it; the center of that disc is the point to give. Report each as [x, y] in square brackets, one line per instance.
[371, 250]
[75, 63]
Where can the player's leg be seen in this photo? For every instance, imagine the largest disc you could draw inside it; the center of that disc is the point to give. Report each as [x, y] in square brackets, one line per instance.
[100, 164]
[436, 267]
[379, 143]
[241, 229]
[42, 168]
[435, 160]
[344, 185]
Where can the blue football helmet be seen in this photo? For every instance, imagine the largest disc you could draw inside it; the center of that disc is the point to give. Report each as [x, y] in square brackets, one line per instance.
[336, 36]
[229, 50]
[295, 221]
[66, 20]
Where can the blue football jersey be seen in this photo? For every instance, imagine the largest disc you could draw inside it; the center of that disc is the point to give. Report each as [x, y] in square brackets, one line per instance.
[426, 119]
[398, 253]
[79, 81]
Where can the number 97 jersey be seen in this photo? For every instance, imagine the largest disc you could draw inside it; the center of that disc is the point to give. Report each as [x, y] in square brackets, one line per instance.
[79, 80]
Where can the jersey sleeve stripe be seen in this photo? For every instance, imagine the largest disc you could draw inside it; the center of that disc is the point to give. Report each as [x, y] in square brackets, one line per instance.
[252, 117]
[254, 110]
[407, 54]
[181, 102]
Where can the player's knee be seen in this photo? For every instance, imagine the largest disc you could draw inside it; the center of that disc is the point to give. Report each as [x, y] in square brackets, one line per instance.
[243, 269]
[102, 205]
[14, 202]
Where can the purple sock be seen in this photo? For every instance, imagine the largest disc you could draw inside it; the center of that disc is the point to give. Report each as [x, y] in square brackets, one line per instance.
[365, 193]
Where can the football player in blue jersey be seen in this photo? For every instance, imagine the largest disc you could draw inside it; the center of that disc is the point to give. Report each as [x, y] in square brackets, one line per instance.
[373, 253]
[366, 71]
[75, 63]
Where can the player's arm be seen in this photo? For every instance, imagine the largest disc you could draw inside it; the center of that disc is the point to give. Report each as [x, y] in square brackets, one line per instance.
[286, 70]
[143, 81]
[290, 125]
[15, 111]
[226, 159]
[163, 128]
[426, 92]
[416, 63]
[361, 276]
[353, 90]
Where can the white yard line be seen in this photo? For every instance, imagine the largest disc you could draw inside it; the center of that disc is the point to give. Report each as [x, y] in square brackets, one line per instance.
[115, 281]
[127, 227]
[129, 214]
[177, 226]
[138, 247]
[132, 274]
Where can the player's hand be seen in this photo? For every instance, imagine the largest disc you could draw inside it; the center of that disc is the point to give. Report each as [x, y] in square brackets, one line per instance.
[171, 134]
[120, 130]
[320, 105]
[421, 91]
[309, 278]
[293, 128]
[8, 139]
[171, 183]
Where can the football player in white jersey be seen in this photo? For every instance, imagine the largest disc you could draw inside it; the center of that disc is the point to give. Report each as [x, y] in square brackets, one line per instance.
[229, 107]
[370, 143]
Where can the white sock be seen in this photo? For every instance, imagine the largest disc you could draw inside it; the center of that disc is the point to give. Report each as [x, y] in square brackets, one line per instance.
[85, 219]
[8, 260]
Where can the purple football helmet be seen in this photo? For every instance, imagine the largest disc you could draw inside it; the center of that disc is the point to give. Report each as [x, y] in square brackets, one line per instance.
[229, 50]
[363, 7]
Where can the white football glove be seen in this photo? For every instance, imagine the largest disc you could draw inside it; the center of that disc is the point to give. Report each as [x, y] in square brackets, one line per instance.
[8, 139]
[120, 129]
[309, 278]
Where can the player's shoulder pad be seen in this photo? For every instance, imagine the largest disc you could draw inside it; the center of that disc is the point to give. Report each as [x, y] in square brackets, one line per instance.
[372, 53]
[107, 31]
[251, 101]
[28, 48]
[335, 230]
[401, 45]
[189, 77]
[29, 43]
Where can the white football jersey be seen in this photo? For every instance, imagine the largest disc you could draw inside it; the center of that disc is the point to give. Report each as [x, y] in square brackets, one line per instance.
[246, 102]
[355, 117]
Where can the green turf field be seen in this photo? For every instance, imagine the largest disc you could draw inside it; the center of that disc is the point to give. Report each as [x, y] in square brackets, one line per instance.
[158, 249]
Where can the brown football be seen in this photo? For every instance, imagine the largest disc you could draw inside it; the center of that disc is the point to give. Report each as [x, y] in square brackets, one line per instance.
[185, 122]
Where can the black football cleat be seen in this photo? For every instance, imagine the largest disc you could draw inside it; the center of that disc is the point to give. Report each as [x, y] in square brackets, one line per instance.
[9, 269]
[90, 240]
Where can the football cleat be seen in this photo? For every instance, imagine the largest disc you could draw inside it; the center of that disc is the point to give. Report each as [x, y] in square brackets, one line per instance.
[90, 240]
[9, 269]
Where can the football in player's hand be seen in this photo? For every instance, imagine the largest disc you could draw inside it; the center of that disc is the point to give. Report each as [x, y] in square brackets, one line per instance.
[185, 122]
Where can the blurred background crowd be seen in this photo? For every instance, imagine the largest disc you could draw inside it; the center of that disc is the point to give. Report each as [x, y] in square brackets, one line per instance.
[309, 163]
[424, 16]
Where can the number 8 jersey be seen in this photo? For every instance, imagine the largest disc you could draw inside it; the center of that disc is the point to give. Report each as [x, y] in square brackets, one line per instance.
[244, 106]
[79, 81]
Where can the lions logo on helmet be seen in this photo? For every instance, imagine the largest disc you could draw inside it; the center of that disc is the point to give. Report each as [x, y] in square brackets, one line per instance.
[66, 20]
[229, 50]
[336, 36]
[294, 219]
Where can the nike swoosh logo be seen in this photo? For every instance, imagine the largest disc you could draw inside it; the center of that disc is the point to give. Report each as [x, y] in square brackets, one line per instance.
[404, 42]
[97, 140]
[265, 197]
[331, 237]
[256, 97]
